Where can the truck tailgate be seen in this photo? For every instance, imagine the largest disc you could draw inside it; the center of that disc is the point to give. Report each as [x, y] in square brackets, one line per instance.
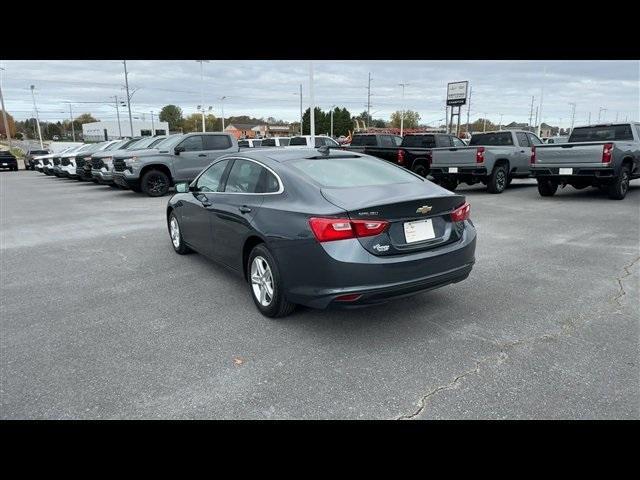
[570, 153]
[453, 156]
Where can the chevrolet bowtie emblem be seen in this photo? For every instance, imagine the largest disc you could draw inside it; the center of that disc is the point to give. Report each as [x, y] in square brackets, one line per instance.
[424, 209]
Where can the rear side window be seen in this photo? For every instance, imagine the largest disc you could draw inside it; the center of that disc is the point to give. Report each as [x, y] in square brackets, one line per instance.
[421, 141]
[243, 143]
[257, 143]
[298, 141]
[250, 177]
[443, 141]
[457, 142]
[364, 141]
[192, 144]
[352, 172]
[387, 141]
[209, 181]
[493, 138]
[269, 142]
[284, 142]
[601, 134]
[216, 142]
[397, 141]
[523, 140]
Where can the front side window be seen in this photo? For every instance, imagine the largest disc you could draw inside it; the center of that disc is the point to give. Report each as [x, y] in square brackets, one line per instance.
[192, 144]
[209, 181]
[523, 140]
[533, 139]
[457, 142]
[257, 143]
[397, 140]
[284, 142]
[298, 141]
[420, 141]
[386, 141]
[443, 141]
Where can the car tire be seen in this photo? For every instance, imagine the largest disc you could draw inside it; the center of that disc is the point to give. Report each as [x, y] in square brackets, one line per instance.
[547, 188]
[175, 233]
[155, 183]
[620, 186]
[278, 305]
[498, 179]
[449, 183]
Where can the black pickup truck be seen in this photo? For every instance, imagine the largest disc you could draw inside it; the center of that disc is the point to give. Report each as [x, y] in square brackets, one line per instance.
[413, 151]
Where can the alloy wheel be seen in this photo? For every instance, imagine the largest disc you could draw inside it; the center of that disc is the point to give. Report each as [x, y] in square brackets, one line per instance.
[262, 281]
[174, 230]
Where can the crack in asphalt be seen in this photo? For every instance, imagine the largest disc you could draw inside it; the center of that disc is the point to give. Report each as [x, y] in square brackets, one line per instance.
[622, 292]
[565, 328]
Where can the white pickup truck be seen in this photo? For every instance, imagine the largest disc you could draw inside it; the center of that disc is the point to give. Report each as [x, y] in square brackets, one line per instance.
[605, 156]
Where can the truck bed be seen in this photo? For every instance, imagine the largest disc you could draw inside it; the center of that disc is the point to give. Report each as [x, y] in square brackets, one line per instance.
[575, 154]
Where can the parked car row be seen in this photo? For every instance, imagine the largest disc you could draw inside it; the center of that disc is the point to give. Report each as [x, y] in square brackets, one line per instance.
[604, 156]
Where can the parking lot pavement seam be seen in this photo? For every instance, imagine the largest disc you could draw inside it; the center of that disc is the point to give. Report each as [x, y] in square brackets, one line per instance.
[622, 292]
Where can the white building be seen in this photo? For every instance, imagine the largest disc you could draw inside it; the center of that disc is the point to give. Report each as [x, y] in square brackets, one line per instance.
[109, 130]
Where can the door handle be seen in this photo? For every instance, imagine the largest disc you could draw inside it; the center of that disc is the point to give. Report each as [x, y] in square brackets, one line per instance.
[202, 155]
[244, 209]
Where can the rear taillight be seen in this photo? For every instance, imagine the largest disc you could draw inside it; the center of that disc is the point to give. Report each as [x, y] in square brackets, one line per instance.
[401, 157]
[350, 297]
[532, 160]
[607, 151]
[461, 213]
[480, 155]
[330, 229]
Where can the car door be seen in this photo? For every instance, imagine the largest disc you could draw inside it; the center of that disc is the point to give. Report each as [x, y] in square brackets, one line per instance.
[523, 153]
[245, 186]
[196, 211]
[191, 160]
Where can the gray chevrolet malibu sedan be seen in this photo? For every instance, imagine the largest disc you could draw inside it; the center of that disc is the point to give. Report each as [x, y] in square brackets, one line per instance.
[323, 228]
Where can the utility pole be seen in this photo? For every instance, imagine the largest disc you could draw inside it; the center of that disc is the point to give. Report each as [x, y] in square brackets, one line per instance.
[126, 82]
[600, 110]
[531, 114]
[446, 117]
[402, 117]
[500, 124]
[73, 129]
[4, 118]
[312, 119]
[589, 121]
[153, 131]
[368, 99]
[332, 107]
[484, 127]
[222, 108]
[537, 121]
[300, 109]
[202, 88]
[573, 116]
[469, 110]
[118, 114]
[37, 116]
[541, 98]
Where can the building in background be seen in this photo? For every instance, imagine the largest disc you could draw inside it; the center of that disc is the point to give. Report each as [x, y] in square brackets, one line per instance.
[108, 130]
[241, 130]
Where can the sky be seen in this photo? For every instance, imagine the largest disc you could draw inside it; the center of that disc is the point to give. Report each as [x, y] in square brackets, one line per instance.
[500, 89]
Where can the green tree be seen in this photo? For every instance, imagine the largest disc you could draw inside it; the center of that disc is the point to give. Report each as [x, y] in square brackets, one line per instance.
[411, 119]
[85, 118]
[172, 114]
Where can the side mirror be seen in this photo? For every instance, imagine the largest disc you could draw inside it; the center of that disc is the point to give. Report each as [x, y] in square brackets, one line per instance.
[178, 149]
[182, 187]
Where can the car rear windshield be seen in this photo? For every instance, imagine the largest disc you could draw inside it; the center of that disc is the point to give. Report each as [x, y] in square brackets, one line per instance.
[601, 134]
[364, 140]
[353, 172]
[494, 138]
[298, 141]
[420, 141]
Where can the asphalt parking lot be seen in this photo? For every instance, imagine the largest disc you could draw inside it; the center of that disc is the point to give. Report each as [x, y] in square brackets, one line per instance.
[101, 319]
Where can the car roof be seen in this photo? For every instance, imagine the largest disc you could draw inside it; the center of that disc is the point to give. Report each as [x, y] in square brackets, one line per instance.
[285, 154]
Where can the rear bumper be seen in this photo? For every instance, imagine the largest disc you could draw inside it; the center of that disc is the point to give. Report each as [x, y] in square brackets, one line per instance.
[346, 268]
[544, 171]
[8, 164]
[473, 170]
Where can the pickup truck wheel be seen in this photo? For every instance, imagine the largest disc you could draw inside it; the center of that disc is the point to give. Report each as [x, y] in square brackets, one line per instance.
[620, 186]
[176, 236]
[265, 284]
[420, 169]
[498, 179]
[155, 183]
[547, 188]
[449, 183]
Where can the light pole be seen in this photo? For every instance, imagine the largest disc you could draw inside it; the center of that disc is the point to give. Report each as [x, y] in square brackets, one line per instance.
[312, 119]
[402, 115]
[222, 108]
[500, 125]
[332, 107]
[37, 117]
[126, 82]
[541, 98]
[202, 62]
[73, 129]
[300, 107]
[484, 127]
[118, 114]
[573, 116]
[153, 131]
[4, 116]
[602, 109]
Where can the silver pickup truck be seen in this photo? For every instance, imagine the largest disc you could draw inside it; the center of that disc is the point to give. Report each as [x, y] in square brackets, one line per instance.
[492, 158]
[603, 156]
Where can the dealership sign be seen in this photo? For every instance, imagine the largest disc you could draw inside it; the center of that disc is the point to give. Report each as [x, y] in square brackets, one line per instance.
[457, 93]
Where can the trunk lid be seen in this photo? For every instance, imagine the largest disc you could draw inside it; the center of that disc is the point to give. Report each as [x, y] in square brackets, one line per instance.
[570, 153]
[399, 204]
